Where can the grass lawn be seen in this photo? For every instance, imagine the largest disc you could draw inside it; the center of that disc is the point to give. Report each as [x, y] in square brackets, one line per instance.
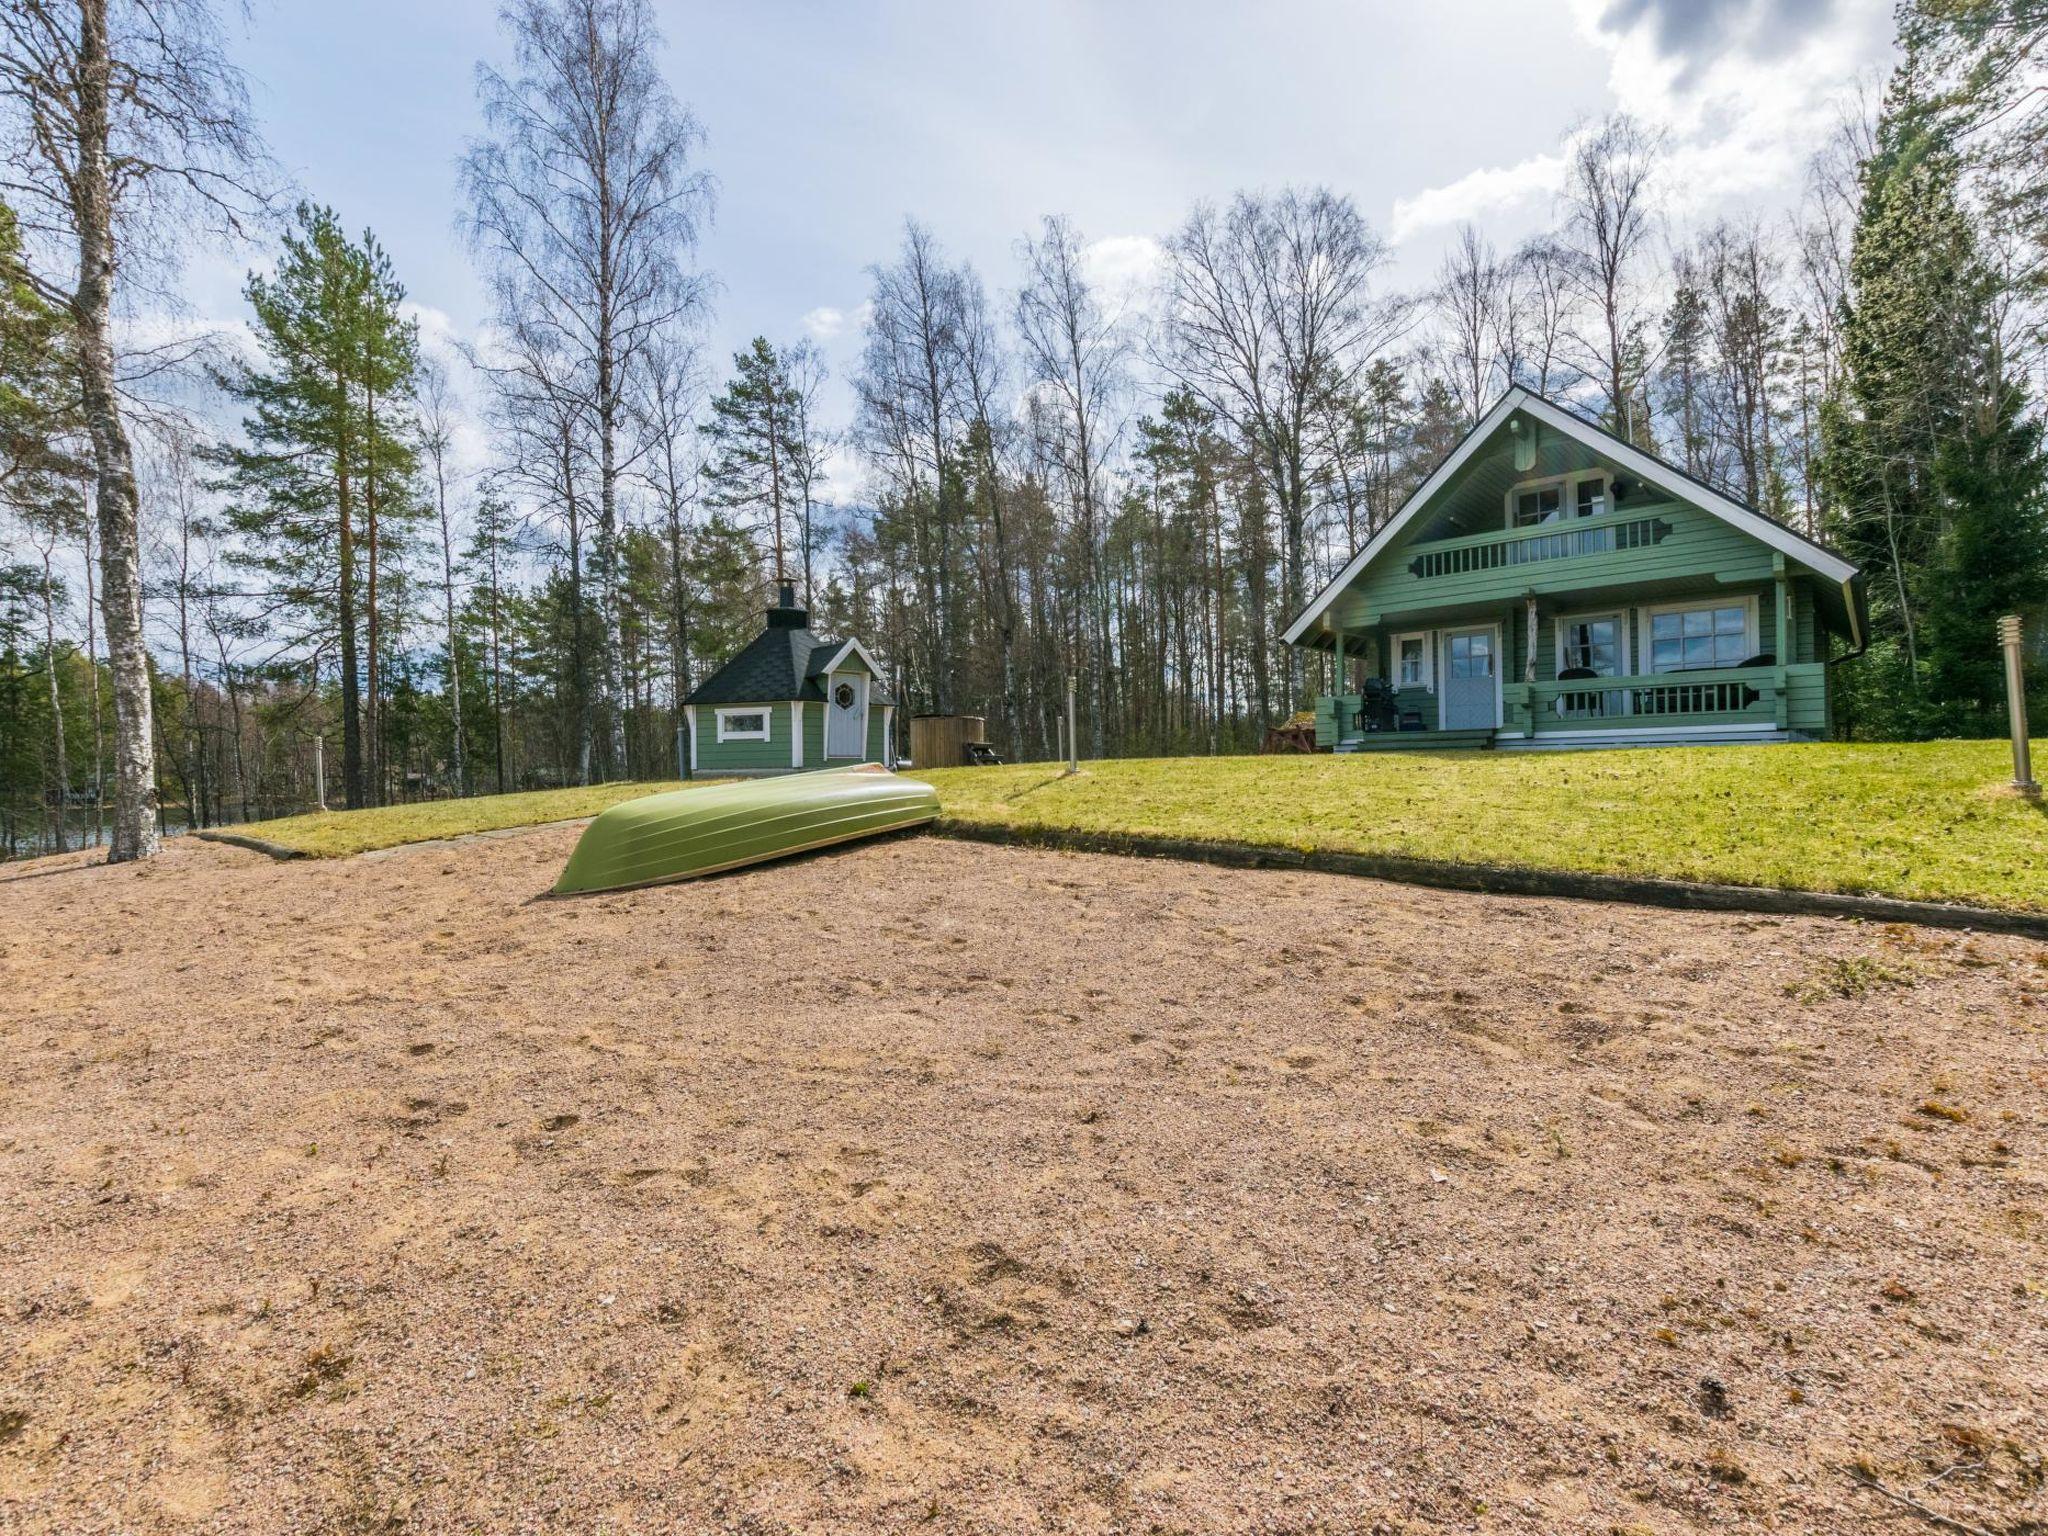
[1929, 821]
[336, 834]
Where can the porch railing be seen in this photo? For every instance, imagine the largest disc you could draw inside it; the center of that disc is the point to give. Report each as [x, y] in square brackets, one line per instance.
[1738, 696]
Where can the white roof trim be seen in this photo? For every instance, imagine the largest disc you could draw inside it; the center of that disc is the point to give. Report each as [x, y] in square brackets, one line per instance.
[1821, 561]
[1488, 424]
[854, 647]
[1633, 459]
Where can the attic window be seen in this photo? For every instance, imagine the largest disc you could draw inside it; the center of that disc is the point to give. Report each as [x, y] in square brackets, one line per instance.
[749, 724]
[1558, 499]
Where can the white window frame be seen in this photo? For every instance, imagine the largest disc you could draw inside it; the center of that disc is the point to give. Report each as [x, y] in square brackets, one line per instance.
[1428, 679]
[727, 733]
[1566, 620]
[1568, 497]
[1753, 633]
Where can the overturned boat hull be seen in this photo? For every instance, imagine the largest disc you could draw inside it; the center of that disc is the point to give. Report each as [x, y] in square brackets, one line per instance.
[684, 833]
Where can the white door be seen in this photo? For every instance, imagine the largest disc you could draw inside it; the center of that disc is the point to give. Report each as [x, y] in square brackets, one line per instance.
[1469, 664]
[846, 714]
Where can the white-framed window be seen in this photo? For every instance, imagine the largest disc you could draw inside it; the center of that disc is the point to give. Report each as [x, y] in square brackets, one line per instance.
[747, 722]
[1411, 661]
[1592, 642]
[1699, 637]
[1589, 493]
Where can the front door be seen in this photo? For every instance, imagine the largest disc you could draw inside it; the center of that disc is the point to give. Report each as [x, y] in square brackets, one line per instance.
[1469, 663]
[846, 715]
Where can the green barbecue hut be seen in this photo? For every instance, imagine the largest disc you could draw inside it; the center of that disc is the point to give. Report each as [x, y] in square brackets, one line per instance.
[790, 700]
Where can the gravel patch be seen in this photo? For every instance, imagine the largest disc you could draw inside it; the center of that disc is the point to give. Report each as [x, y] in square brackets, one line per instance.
[931, 1186]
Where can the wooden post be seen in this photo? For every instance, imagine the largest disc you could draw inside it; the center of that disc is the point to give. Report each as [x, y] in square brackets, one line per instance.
[1782, 651]
[2016, 707]
[1073, 740]
[1529, 671]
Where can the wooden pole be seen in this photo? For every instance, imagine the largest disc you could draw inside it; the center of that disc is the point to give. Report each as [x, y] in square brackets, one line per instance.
[2016, 707]
[1073, 741]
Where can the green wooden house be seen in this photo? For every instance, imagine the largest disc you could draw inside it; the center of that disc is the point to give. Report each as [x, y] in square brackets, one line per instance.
[790, 700]
[1551, 586]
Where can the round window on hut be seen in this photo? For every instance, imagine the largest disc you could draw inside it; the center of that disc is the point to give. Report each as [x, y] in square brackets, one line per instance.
[843, 695]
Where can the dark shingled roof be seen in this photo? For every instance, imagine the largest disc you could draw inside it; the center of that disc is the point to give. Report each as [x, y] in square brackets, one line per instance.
[784, 661]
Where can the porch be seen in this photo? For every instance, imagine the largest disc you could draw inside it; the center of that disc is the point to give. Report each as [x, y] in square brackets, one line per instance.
[1742, 704]
[1642, 661]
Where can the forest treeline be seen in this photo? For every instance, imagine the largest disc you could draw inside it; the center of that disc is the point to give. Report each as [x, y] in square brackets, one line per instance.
[499, 566]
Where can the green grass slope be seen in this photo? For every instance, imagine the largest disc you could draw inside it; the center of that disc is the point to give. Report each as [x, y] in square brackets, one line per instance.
[1928, 821]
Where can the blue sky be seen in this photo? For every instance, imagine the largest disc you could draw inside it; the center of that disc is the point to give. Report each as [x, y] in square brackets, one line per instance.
[828, 123]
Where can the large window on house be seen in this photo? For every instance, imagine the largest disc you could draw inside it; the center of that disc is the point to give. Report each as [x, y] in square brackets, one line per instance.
[1699, 637]
[1411, 661]
[1559, 499]
[748, 724]
[1590, 643]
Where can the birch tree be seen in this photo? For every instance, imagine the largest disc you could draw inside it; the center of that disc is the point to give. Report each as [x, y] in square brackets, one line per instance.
[124, 124]
[585, 204]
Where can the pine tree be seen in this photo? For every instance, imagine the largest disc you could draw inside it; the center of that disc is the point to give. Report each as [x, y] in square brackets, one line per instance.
[320, 489]
[755, 445]
[1934, 477]
[1991, 559]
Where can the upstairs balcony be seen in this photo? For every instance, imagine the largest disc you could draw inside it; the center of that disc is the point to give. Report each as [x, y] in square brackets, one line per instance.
[1513, 547]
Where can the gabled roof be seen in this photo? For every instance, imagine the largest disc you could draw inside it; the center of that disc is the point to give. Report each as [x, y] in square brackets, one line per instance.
[1816, 557]
[785, 661]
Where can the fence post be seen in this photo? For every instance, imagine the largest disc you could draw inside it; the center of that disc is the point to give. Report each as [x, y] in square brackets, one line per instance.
[2016, 706]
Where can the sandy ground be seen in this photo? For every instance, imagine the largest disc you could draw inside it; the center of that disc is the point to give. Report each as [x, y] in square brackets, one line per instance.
[940, 1187]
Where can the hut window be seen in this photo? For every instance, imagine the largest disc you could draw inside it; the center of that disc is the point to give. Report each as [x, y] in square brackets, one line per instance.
[750, 724]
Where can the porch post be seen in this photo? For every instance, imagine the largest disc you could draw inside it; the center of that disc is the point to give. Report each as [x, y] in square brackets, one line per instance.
[1782, 649]
[1529, 670]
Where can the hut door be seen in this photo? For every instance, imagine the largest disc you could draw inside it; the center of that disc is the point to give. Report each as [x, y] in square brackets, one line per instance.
[846, 715]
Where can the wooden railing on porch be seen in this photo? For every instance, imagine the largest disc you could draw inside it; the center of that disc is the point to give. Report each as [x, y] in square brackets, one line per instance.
[1741, 696]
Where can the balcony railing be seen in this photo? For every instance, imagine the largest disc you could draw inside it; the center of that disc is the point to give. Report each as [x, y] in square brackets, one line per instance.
[1527, 547]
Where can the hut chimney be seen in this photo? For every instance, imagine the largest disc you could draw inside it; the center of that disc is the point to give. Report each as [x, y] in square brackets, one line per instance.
[785, 614]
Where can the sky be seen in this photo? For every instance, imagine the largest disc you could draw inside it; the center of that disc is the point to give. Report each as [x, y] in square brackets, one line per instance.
[827, 124]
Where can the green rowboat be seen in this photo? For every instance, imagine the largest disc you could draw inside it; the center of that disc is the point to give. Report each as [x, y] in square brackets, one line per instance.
[689, 832]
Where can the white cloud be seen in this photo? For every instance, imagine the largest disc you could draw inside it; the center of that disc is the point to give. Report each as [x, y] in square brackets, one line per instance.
[1477, 194]
[1742, 103]
[826, 323]
[1122, 268]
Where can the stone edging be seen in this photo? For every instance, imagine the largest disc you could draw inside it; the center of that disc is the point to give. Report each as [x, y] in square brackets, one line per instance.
[1501, 881]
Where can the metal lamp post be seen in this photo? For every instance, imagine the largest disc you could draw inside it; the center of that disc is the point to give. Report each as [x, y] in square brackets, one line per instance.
[2016, 706]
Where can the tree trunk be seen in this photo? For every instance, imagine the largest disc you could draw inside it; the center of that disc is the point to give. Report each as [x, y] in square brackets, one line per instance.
[92, 662]
[62, 764]
[351, 682]
[448, 607]
[375, 700]
[134, 834]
